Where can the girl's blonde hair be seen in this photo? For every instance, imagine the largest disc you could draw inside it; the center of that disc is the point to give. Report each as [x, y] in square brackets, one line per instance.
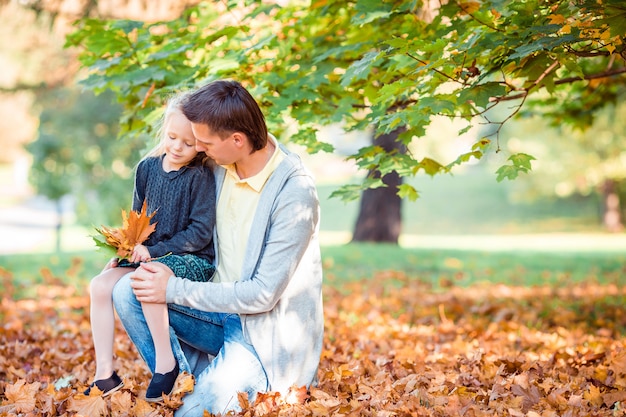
[174, 104]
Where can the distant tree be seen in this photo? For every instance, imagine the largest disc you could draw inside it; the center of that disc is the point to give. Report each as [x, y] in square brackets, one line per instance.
[388, 65]
[77, 154]
[380, 214]
[573, 161]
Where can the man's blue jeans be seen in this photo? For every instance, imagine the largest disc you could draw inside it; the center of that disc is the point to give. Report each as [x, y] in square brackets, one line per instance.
[195, 335]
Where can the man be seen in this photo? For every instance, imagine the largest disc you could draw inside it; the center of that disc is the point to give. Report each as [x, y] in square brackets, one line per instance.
[261, 317]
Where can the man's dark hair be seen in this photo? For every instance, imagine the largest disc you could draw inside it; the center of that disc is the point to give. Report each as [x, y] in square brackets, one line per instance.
[227, 107]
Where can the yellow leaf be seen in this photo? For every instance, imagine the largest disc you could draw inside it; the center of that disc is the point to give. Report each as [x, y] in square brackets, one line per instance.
[88, 406]
[143, 409]
[595, 82]
[139, 227]
[296, 395]
[556, 19]
[594, 396]
[184, 384]
[470, 6]
[22, 395]
[121, 402]
[136, 228]
[242, 398]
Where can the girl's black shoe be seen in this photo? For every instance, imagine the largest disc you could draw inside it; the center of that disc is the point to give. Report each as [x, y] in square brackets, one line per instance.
[161, 384]
[107, 386]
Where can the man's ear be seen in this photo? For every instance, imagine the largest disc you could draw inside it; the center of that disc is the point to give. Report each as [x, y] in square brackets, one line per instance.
[240, 139]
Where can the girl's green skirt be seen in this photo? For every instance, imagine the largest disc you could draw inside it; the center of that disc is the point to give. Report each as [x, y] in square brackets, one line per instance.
[187, 266]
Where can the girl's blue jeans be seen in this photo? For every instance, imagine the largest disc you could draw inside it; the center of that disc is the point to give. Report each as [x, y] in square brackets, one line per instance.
[195, 335]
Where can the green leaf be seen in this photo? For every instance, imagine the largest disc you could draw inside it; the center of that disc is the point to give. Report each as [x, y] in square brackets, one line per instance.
[63, 382]
[546, 43]
[154, 116]
[360, 69]
[464, 130]
[306, 136]
[408, 191]
[506, 171]
[482, 144]
[391, 92]
[481, 93]
[439, 104]
[224, 64]
[127, 26]
[352, 192]
[430, 166]
[102, 244]
[617, 24]
[370, 63]
[520, 163]
[167, 53]
[465, 157]
[368, 11]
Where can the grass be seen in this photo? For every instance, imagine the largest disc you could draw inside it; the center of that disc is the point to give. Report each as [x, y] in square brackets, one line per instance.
[472, 203]
[466, 206]
[443, 267]
[439, 268]
[69, 268]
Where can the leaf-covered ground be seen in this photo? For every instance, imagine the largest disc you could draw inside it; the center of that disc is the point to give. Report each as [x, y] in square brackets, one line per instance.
[393, 347]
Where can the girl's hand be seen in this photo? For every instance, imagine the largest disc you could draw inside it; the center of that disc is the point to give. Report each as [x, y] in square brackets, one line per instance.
[140, 254]
[111, 264]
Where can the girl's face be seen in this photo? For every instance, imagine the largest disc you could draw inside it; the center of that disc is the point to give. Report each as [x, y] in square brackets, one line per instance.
[180, 143]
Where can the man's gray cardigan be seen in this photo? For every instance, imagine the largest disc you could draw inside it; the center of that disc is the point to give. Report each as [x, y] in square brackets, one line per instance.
[279, 294]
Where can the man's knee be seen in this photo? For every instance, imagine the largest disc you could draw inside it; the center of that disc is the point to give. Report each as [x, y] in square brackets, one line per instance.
[208, 398]
[123, 297]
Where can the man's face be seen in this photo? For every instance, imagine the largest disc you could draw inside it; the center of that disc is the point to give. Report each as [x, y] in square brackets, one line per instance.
[222, 151]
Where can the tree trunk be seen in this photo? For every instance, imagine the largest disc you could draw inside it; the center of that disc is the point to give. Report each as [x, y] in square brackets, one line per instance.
[612, 213]
[59, 226]
[380, 214]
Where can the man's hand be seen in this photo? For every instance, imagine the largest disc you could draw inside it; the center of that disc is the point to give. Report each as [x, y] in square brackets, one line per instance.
[149, 282]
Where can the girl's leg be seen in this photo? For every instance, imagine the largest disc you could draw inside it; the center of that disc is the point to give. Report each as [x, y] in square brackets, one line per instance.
[159, 325]
[208, 334]
[103, 319]
[196, 269]
[236, 367]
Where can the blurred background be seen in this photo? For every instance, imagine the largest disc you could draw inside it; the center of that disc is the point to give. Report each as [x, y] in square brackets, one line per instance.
[62, 170]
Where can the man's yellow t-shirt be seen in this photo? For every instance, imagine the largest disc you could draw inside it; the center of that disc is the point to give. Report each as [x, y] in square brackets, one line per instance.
[236, 206]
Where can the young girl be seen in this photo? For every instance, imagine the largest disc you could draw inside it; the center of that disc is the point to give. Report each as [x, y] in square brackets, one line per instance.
[177, 182]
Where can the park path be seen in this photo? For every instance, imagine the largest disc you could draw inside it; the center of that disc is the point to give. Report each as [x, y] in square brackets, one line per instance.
[29, 226]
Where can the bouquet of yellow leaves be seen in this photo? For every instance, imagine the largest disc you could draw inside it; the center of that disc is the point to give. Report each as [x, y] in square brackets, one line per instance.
[136, 228]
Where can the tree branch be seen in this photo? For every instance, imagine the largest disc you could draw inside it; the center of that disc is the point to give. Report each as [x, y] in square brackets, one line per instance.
[605, 74]
[568, 80]
[24, 87]
[588, 54]
[443, 74]
[548, 70]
